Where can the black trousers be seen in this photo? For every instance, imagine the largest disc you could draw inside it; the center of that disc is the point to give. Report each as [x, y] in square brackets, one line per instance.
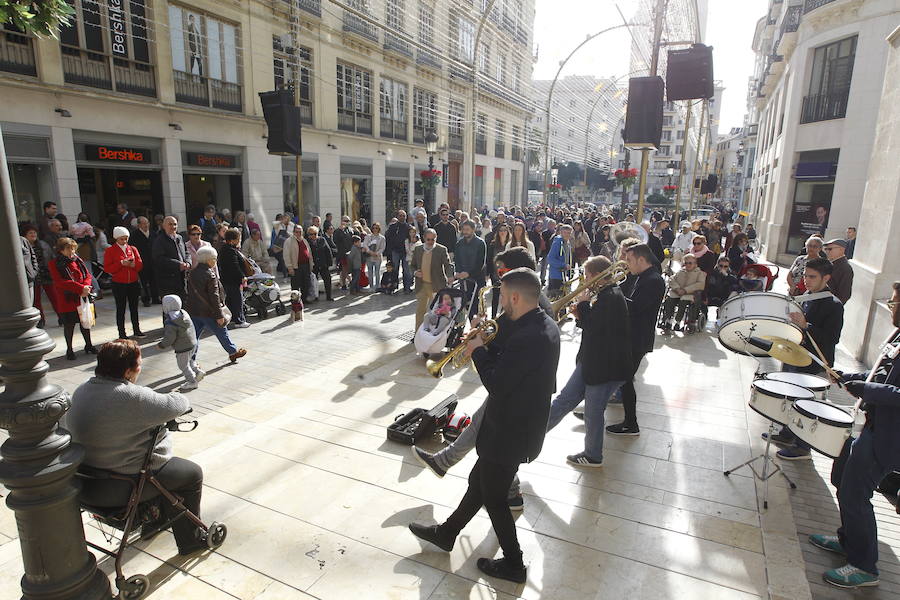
[127, 293]
[629, 395]
[489, 487]
[179, 476]
[325, 274]
[300, 280]
[234, 300]
[149, 289]
[69, 320]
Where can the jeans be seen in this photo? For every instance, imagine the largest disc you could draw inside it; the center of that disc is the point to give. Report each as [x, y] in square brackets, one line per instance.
[595, 399]
[862, 474]
[354, 280]
[201, 323]
[398, 258]
[234, 300]
[373, 268]
[488, 485]
[456, 451]
[187, 362]
[629, 395]
[129, 293]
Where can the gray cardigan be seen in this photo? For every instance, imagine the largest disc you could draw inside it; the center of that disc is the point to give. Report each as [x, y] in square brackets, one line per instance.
[113, 420]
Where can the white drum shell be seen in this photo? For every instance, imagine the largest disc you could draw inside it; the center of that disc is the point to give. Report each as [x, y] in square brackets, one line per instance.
[775, 407]
[817, 385]
[757, 314]
[823, 437]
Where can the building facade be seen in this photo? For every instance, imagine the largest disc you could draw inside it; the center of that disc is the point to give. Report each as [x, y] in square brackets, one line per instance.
[821, 65]
[155, 104]
[728, 165]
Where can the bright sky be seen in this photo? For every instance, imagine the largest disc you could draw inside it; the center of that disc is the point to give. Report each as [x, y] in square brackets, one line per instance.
[729, 31]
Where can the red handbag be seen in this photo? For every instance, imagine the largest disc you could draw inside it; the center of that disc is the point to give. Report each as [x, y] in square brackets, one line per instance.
[363, 278]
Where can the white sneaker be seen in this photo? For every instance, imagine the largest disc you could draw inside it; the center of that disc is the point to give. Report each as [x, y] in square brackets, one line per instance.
[199, 375]
[240, 325]
[188, 386]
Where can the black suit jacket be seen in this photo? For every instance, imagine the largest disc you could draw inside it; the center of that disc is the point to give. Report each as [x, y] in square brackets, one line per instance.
[604, 354]
[144, 245]
[825, 318]
[520, 377]
[644, 294]
[167, 254]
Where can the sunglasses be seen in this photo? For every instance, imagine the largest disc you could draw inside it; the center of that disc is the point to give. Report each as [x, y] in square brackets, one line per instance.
[698, 243]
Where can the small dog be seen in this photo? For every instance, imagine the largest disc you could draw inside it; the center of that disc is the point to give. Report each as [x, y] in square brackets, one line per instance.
[296, 306]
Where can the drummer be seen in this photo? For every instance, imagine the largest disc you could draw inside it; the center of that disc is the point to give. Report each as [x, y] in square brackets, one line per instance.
[875, 454]
[822, 320]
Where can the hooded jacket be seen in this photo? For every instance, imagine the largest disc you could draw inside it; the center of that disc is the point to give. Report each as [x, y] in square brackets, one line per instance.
[178, 330]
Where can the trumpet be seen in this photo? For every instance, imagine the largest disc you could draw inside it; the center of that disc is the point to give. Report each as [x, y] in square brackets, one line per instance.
[613, 275]
[457, 356]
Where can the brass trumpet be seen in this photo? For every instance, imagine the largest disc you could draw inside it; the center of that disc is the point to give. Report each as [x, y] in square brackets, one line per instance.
[612, 275]
[457, 356]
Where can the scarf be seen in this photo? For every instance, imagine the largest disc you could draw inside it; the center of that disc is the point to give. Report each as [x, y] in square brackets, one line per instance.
[700, 253]
[64, 266]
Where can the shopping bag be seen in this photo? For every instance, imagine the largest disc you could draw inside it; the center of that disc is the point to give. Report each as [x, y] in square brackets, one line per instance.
[313, 293]
[86, 313]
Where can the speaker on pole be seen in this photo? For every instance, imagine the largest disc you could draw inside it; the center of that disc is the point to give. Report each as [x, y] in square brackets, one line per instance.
[283, 122]
[689, 73]
[644, 114]
[710, 184]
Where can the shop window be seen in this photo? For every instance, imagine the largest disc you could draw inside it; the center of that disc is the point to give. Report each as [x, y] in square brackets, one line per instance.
[354, 99]
[286, 61]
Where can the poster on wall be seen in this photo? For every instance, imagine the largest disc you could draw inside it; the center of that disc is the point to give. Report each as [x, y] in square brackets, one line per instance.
[810, 215]
[203, 46]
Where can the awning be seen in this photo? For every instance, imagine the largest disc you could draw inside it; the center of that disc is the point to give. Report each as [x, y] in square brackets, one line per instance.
[816, 171]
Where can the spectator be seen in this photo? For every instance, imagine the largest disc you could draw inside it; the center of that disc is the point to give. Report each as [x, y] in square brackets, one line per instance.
[54, 233]
[397, 235]
[298, 261]
[721, 284]
[194, 243]
[851, 242]
[252, 225]
[354, 263]
[469, 259]
[170, 260]
[751, 231]
[548, 234]
[412, 241]
[685, 291]
[446, 231]
[240, 223]
[560, 259]
[432, 270]
[142, 240]
[83, 233]
[519, 238]
[740, 255]
[655, 245]
[206, 299]
[124, 263]
[219, 240]
[280, 234]
[706, 258]
[43, 283]
[666, 235]
[813, 245]
[498, 244]
[537, 241]
[231, 273]
[373, 247]
[102, 242]
[255, 249]
[180, 335]
[50, 213]
[421, 224]
[343, 239]
[841, 282]
[729, 237]
[328, 222]
[30, 262]
[73, 282]
[124, 217]
[323, 258]
[581, 243]
[604, 245]
[207, 224]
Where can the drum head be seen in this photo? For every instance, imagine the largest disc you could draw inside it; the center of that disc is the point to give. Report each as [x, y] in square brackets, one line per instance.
[733, 334]
[824, 412]
[780, 389]
[810, 382]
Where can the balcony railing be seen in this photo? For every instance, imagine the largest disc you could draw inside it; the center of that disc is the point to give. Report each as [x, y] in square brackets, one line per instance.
[516, 153]
[17, 54]
[481, 145]
[393, 129]
[825, 107]
[82, 67]
[312, 6]
[428, 59]
[499, 150]
[354, 24]
[455, 141]
[392, 42]
[349, 120]
[206, 91]
[811, 5]
[306, 116]
[791, 21]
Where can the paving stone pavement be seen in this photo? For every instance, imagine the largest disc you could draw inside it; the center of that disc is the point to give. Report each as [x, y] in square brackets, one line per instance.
[292, 443]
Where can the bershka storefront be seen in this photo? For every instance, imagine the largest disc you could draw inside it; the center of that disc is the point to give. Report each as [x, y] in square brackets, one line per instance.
[212, 175]
[114, 170]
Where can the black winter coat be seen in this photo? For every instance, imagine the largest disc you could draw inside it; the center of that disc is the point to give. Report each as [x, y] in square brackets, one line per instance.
[343, 239]
[520, 377]
[603, 354]
[644, 294]
[321, 255]
[825, 318]
[231, 266]
[396, 236]
[167, 254]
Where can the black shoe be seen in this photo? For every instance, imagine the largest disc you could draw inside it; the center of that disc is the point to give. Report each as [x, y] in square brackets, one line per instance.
[157, 301]
[70, 355]
[516, 504]
[623, 429]
[426, 459]
[139, 334]
[781, 440]
[41, 324]
[123, 335]
[433, 535]
[90, 350]
[579, 414]
[501, 568]
[146, 303]
[677, 327]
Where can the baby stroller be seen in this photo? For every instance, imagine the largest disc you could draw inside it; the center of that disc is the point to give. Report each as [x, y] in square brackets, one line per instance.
[104, 279]
[448, 332]
[261, 292]
[141, 520]
[759, 272]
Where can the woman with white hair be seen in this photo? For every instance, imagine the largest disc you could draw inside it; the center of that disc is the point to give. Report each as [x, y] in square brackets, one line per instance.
[124, 263]
[206, 302]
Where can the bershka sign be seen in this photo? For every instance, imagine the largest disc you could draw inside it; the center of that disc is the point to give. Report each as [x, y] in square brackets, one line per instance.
[117, 154]
[216, 161]
[117, 29]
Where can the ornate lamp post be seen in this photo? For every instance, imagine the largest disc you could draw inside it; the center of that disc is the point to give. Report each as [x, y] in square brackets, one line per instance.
[431, 142]
[38, 461]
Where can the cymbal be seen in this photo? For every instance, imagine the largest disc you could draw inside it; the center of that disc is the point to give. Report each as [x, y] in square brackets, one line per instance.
[788, 352]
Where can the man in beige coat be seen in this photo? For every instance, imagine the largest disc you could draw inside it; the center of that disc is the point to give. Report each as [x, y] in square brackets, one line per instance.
[433, 271]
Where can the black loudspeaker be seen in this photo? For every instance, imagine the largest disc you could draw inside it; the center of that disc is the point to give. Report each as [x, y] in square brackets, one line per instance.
[644, 115]
[689, 73]
[283, 121]
[710, 185]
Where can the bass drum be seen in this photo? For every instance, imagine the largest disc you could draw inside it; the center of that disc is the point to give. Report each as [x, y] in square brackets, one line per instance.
[817, 385]
[823, 426]
[757, 314]
[773, 399]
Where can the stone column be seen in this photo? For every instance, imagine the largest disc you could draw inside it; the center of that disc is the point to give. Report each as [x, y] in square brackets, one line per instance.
[38, 461]
[379, 195]
[173, 181]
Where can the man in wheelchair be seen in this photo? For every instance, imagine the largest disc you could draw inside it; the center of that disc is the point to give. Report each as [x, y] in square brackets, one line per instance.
[115, 421]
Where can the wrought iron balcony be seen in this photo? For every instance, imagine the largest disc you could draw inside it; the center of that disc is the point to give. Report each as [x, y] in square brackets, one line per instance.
[499, 150]
[206, 91]
[312, 6]
[392, 42]
[791, 21]
[354, 24]
[349, 120]
[825, 107]
[17, 54]
[811, 5]
[306, 115]
[455, 141]
[105, 72]
[428, 59]
[516, 153]
[393, 129]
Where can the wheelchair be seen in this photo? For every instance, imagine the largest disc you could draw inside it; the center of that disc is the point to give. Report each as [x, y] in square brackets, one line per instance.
[142, 520]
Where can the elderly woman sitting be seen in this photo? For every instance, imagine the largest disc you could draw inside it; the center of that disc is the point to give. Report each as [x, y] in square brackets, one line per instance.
[685, 291]
[113, 418]
[258, 250]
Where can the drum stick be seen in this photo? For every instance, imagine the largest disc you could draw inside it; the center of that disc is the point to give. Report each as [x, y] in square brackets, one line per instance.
[881, 356]
[824, 362]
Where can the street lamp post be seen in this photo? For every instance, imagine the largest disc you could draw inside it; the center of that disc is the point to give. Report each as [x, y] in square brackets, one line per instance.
[431, 142]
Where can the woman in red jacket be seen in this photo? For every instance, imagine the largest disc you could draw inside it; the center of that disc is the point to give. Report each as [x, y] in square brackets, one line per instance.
[124, 262]
[72, 281]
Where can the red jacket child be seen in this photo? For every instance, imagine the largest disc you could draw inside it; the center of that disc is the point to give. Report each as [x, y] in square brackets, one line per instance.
[70, 277]
[112, 263]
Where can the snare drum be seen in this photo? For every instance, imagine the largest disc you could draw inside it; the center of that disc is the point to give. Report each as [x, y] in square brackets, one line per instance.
[772, 399]
[756, 314]
[817, 385]
[823, 426]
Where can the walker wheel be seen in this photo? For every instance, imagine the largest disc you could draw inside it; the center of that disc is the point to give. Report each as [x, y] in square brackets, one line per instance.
[793, 486]
[280, 309]
[216, 535]
[134, 588]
